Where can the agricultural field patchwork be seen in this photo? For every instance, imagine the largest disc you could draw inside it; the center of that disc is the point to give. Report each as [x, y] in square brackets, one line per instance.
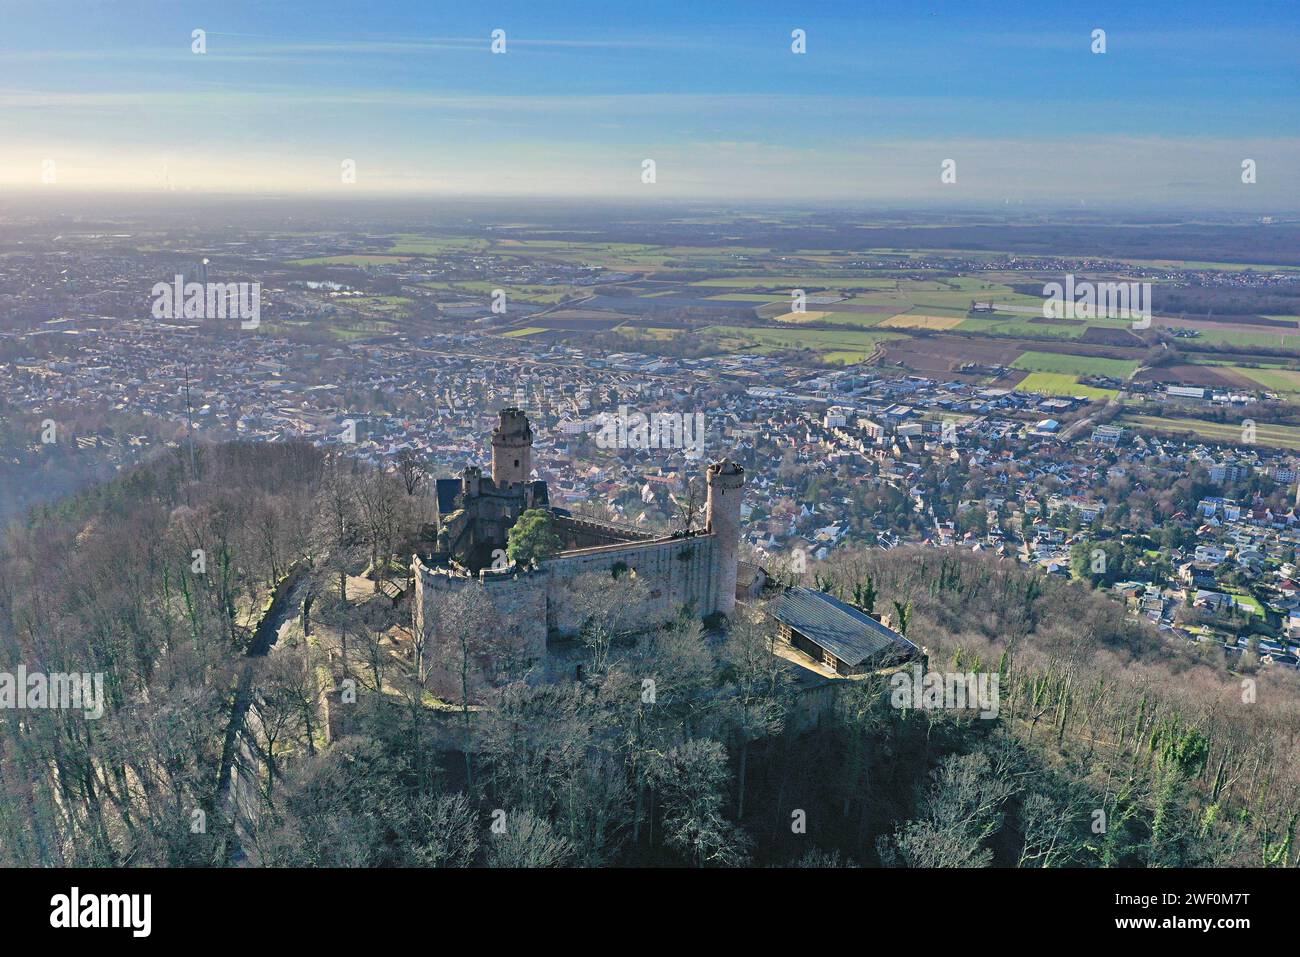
[739, 299]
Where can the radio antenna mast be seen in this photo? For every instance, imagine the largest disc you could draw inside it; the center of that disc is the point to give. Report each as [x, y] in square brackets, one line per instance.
[189, 423]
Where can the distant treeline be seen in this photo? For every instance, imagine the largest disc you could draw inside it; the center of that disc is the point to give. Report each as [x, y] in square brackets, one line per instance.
[1275, 244]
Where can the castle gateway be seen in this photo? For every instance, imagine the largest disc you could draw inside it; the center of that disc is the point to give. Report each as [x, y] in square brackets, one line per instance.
[694, 570]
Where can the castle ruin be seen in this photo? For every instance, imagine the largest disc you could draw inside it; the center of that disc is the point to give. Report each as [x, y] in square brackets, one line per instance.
[695, 569]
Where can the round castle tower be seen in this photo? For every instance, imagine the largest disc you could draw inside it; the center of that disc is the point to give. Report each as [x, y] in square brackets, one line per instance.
[726, 481]
[512, 449]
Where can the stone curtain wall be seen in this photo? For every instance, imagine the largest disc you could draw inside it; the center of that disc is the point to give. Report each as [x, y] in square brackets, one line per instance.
[678, 571]
[585, 533]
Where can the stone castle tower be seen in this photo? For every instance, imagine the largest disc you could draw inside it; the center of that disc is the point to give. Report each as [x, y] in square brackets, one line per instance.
[512, 449]
[726, 481]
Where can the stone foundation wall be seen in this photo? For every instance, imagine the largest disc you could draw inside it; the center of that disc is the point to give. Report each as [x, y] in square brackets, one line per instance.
[678, 572]
[520, 599]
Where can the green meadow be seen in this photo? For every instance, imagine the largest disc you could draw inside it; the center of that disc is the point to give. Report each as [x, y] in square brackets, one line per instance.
[1075, 365]
[1059, 383]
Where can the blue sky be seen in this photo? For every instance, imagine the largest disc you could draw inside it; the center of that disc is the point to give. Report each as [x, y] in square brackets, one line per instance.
[112, 94]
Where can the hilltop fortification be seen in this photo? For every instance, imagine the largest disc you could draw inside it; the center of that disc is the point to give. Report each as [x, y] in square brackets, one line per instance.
[695, 570]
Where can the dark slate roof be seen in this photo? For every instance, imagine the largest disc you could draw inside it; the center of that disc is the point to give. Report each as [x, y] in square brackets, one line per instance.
[849, 633]
[447, 490]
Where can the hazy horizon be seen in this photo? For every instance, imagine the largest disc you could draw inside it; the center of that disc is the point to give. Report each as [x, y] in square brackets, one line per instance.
[112, 97]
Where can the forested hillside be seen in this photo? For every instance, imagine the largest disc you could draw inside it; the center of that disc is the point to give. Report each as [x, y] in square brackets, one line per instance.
[711, 768]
